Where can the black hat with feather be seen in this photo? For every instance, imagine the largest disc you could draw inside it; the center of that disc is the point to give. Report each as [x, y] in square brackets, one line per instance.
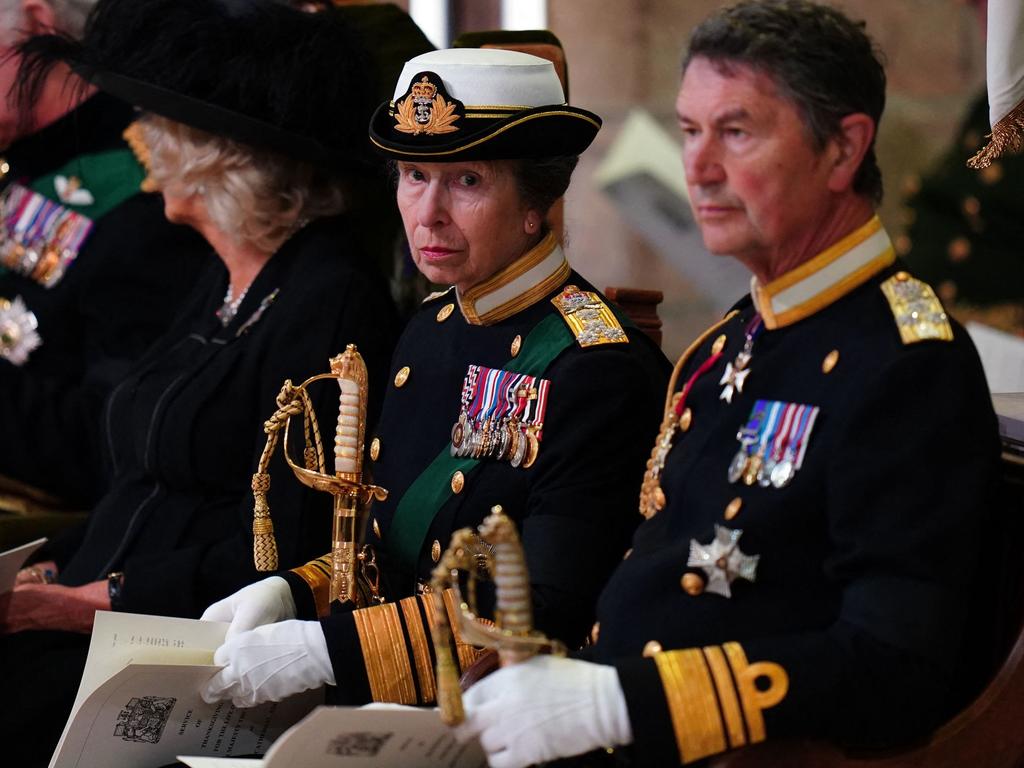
[256, 71]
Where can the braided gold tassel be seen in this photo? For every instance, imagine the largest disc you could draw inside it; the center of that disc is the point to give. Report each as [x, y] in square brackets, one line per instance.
[264, 546]
[1007, 136]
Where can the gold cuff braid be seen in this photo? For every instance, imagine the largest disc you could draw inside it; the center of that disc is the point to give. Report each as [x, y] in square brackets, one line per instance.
[395, 641]
[317, 575]
[713, 700]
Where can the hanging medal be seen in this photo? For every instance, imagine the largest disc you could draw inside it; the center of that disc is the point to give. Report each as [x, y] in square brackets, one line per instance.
[749, 437]
[773, 443]
[501, 416]
[39, 238]
[736, 372]
[796, 446]
[460, 431]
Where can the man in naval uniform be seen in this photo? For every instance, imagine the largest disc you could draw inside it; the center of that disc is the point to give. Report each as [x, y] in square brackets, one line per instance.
[92, 272]
[817, 496]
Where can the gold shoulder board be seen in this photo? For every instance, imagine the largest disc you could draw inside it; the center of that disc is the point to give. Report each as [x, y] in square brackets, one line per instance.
[918, 312]
[589, 318]
[435, 295]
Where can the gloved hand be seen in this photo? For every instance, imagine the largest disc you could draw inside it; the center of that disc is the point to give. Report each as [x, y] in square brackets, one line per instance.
[270, 663]
[543, 709]
[262, 602]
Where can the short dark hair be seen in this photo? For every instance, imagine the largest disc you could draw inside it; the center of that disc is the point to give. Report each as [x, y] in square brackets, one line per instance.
[822, 61]
[541, 181]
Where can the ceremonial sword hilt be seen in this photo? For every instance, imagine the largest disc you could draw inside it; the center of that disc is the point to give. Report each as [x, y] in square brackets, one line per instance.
[511, 634]
[352, 497]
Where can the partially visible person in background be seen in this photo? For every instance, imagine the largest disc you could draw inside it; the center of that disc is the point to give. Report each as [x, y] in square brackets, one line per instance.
[78, 305]
[965, 226]
[253, 132]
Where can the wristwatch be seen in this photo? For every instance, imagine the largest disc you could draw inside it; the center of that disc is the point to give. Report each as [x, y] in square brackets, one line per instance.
[115, 588]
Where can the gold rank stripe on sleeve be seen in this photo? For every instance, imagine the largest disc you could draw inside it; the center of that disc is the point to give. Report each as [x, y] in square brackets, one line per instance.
[397, 651]
[918, 311]
[317, 575]
[713, 699]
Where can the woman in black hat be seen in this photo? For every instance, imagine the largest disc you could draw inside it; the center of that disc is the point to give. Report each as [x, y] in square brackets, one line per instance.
[517, 386]
[252, 130]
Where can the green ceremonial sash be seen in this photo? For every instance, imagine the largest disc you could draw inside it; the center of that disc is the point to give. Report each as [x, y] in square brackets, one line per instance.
[110, 177]
[432, 489]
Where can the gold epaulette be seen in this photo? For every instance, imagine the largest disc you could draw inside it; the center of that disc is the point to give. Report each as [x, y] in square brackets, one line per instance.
[589, 318]
[133, 137]
[317, 574]
[918, 311]
[396, 644]
[713, 699]
[435, 295]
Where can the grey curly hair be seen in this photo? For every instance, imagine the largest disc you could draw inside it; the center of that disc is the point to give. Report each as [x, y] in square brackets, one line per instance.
[258, 197]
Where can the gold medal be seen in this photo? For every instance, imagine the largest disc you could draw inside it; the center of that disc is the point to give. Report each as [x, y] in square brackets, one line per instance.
[532, 448]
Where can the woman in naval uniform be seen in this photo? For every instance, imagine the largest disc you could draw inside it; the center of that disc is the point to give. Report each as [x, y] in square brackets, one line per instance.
[518, 386]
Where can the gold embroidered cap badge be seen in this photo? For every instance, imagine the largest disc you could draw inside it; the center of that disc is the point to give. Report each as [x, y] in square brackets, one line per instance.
[425, 110]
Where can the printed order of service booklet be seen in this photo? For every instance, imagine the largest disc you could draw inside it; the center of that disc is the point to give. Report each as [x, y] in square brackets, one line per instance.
[340, 737]
[138, 705]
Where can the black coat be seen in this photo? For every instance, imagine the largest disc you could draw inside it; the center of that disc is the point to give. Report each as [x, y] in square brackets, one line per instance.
[118, 296]
[575, 507]
[866, 557]
[183, 431]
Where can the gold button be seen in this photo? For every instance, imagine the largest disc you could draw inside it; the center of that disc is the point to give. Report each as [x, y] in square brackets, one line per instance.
[595, 632]
[458, 481]
[652, 647]
[693, 584]
[5, 167]
[402, 376]
[719, 344]
[497, 509]
[376, 529]
[733, 508]
[375, 448]
[685, 419]
[435, 551]
[517, 342]
[830, 361]
[902, 276]
[445, 312]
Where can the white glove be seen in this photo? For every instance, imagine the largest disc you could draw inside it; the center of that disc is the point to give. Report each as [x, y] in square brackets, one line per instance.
[543, 709]
[262, 602]
[270, 663]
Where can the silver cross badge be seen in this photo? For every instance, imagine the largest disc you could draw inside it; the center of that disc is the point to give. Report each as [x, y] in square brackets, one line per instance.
[722, 560]
[733, 379]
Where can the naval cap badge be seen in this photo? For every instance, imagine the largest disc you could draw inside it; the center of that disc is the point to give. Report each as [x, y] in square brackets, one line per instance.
[425, 108]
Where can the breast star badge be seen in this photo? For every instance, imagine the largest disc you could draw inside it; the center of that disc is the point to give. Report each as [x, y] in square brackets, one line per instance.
[722, 560]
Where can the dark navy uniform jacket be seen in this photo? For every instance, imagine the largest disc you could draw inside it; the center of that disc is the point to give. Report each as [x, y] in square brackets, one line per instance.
[128, 282]
[574, 507]
[850, 624]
